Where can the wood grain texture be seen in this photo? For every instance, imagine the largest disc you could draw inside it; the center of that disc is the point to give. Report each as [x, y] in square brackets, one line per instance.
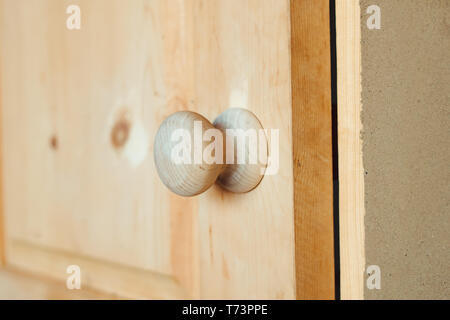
[351, 173]
[2, 225]
[108, 278]
[242, 60]
[17, 285]
[81, 109]
[312, 149]
[88, 102]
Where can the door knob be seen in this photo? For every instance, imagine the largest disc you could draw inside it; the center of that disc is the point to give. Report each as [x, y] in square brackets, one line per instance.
[191, 153]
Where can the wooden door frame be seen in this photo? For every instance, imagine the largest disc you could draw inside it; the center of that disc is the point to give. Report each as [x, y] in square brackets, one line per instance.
[351, 172]
[2, 226]
[312, 149]
[310, 99]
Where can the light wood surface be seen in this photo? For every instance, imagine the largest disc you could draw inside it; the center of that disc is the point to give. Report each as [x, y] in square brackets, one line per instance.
[2, 226]
[80, 110]
[351, 173]
[16, 285]
[242, 60]
[109, 279]
[313, 175]
[69, 183]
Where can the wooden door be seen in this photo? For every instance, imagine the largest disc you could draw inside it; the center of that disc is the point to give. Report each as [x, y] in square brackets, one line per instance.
[79, 112]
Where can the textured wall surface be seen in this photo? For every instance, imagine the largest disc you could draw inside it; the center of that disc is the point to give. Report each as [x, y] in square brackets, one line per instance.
[406, 135]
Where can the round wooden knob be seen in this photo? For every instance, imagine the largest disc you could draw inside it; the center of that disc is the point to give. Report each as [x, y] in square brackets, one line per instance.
[191, 154]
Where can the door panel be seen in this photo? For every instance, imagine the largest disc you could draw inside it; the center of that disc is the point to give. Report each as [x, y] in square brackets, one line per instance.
[80, 109]
[18, 285]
